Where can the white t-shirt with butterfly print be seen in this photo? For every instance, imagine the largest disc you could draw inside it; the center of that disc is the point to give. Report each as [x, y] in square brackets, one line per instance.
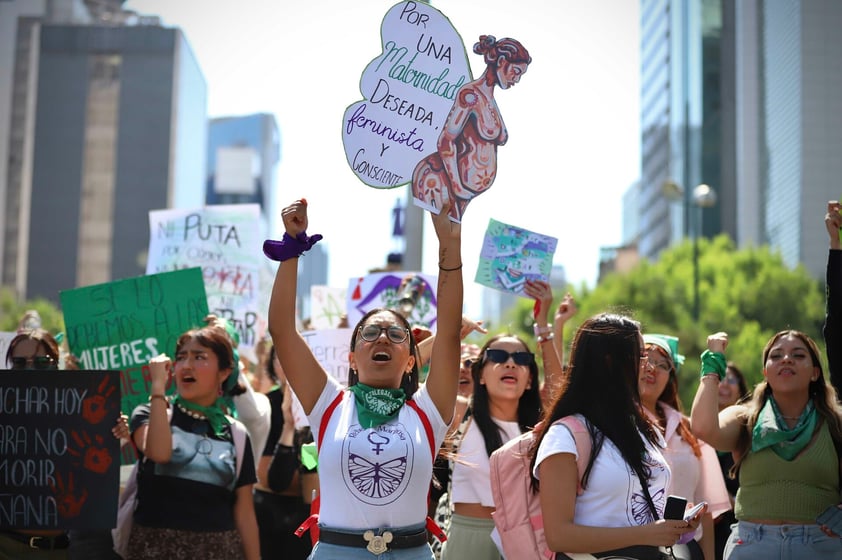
[378, 477]
[614, 496]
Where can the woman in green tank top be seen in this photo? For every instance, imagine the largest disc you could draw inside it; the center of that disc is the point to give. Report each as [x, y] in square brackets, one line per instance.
[784, 441]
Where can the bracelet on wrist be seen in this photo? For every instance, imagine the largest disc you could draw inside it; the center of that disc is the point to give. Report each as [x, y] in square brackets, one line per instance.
[162, 397]
[545, 337]
[455, 268]
[541, 331]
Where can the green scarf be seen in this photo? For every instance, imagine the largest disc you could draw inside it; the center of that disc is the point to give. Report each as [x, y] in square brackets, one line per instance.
[377, 406]
[213, 413]
[771, 431]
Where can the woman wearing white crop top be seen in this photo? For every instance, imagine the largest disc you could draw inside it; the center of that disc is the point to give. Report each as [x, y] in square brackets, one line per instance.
[623, 485]
[506, 402]
[376, 450]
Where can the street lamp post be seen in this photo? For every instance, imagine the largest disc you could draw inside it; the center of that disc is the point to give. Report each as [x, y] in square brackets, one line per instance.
[703, 197]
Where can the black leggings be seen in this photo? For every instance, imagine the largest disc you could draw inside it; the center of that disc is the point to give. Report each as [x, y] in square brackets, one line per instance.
[277, 519]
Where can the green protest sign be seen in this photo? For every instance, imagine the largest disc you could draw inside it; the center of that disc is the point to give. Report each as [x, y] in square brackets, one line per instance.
[121, 325]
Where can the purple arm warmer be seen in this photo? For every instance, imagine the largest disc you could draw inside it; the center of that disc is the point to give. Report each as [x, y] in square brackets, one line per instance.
[289, 247]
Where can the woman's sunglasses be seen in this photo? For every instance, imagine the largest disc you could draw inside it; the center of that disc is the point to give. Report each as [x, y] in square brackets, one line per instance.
[394, 333]
[36, 362]
[499, 356]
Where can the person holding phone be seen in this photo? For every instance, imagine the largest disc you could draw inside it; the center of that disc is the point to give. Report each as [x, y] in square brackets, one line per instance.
[784, 441]
[614, 506]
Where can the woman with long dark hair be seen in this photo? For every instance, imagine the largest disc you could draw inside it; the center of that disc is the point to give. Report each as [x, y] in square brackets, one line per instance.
[506, 402]
[623, 487]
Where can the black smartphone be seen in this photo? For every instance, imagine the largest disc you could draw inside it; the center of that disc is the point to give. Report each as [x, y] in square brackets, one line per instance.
[674, 509]
[832, 519]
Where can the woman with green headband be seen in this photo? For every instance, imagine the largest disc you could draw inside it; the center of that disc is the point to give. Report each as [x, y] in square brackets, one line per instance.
[696, 475]
[785, 443]
[194, 497]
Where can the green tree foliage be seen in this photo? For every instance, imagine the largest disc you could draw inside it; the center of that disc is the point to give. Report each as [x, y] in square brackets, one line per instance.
[11, 311]
[748, 293]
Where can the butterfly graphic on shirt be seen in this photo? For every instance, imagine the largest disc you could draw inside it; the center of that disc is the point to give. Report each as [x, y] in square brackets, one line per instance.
[641, 513]
[375, 479]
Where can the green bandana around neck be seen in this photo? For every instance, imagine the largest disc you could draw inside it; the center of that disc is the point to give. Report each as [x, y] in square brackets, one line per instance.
[376, 406]
[213, 413]
[771, 430]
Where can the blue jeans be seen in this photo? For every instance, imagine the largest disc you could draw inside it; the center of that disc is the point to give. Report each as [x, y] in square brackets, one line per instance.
[780, 542]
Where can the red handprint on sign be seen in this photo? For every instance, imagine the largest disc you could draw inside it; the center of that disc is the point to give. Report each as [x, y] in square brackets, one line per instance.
[95, 458]
[67, 502]
[94, 407]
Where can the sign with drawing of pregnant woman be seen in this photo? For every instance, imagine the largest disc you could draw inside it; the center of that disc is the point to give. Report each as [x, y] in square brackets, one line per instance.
[424, 120]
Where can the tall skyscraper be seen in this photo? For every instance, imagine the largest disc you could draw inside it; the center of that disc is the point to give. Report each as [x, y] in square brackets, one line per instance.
[789, 115]
[681, 113]
[112, 124]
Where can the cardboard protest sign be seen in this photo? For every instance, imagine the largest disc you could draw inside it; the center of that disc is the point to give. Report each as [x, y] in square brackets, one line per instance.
[121, 325]
[59, 462]
[330, 348]
[407, 91]
[225, 241]
[387, 289]
[511, 255]
[327, 306]
[465, 165]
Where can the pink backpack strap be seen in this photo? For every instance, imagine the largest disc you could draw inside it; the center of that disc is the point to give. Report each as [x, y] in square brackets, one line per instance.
[583, 445]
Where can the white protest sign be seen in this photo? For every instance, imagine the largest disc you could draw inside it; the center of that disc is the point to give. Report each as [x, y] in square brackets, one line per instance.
[327, 305]
[407, 93]
[225, 242]
[331, 348]
[386, 289]
[5, 340]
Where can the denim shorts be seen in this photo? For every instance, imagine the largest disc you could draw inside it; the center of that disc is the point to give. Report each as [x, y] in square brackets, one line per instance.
[780, 542]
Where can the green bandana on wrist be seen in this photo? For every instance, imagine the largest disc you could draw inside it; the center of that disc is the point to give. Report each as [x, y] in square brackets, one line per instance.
[713, 362]
[771, 430]
[376, 406]
[213, 414]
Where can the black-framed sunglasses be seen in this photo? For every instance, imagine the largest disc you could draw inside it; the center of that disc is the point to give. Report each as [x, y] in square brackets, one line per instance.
[467, 363]
[499, 356]
[35, 362]
[394, 333]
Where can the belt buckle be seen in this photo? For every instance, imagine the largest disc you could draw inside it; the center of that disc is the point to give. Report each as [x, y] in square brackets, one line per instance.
[377, 544]
[33, 542]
